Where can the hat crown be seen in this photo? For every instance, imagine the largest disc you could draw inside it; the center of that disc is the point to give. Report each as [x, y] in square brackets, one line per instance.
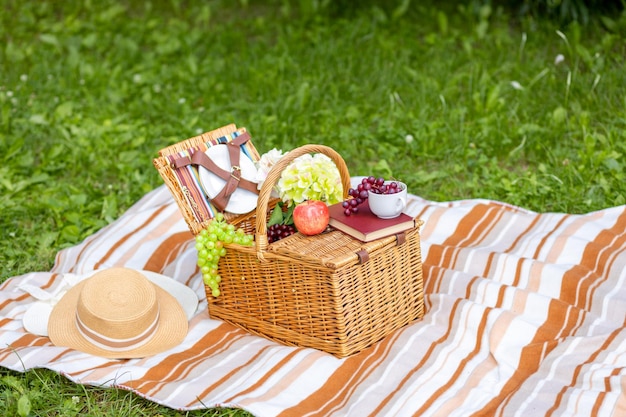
[117, 308]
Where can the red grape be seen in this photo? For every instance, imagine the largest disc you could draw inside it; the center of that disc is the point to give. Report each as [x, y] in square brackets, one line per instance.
[279, 231]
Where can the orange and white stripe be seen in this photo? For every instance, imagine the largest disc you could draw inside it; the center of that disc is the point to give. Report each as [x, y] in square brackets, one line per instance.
[525, 315]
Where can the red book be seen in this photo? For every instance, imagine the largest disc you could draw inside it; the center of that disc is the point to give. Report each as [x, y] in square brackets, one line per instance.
[365, 225]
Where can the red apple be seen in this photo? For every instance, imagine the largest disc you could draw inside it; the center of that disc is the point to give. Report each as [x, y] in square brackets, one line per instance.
[311, 217]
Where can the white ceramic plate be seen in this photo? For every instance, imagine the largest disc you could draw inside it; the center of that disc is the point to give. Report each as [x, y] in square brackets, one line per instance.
[241, 201]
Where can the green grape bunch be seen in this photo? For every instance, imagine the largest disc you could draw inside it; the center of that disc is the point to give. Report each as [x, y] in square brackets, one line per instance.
[210, 244]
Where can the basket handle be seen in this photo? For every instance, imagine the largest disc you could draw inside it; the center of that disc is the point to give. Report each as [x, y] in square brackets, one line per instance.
[274, 175]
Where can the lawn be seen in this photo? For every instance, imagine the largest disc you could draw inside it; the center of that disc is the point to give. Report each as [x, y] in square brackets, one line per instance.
[457, 100]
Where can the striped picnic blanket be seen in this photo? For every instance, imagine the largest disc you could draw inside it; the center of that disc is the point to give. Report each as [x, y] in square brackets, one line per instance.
[525, 315]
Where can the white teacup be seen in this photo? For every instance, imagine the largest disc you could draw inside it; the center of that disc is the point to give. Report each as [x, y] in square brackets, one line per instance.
[388, 206]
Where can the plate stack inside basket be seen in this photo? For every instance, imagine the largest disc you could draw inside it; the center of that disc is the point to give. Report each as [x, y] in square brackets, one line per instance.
[329, 291]
[194, 206]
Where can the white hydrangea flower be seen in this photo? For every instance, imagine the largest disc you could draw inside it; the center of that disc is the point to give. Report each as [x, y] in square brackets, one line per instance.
[311, 178]
[263, 165]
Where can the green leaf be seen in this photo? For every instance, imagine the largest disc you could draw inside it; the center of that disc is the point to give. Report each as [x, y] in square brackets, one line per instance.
[109, 208]
[79, 199]
[276, 217]
[112, 13]
[13, 383]
[559, 115]
[281, 216]
[442, 21]
[90, 40]
[288, 215]
[64, 109]
[612, 164]
[382, 169]
[47, 239]
[49, 39]
[38, 119]
[401, 9]
[70, 233]
[23, 406]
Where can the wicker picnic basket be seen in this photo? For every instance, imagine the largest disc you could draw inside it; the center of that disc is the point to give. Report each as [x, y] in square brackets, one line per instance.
[330, 291]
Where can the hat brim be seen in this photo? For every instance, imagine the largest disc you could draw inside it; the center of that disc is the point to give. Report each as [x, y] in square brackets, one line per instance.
[171, 331]
[187, 298]
[36, 317]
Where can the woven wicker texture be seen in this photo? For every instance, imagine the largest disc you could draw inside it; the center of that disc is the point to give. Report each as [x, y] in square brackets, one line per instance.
[314, 291]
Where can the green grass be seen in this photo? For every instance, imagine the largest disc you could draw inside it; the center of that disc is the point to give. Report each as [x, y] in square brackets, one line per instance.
[45, 393]
[457, 101]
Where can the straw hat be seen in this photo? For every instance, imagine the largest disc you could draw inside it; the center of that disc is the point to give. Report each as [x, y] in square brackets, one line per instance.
[118, 313]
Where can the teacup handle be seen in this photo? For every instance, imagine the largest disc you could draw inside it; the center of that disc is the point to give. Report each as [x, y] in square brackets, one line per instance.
[401, 202]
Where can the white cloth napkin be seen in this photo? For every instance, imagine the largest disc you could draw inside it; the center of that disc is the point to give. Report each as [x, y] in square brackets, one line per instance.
[35, 319]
